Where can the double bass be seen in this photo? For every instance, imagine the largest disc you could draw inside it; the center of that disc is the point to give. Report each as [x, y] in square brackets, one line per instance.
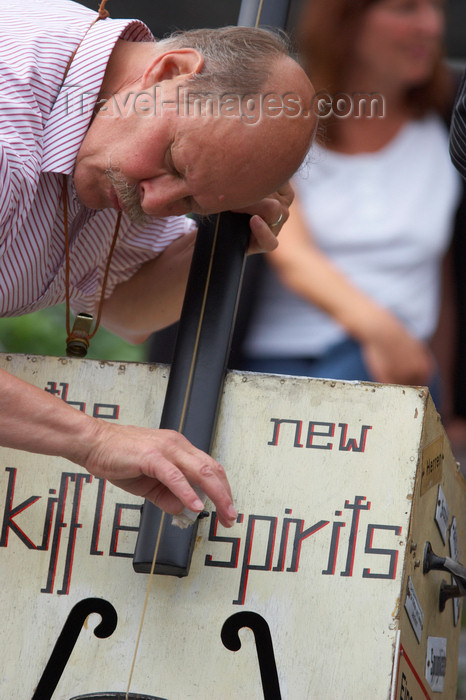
[339, 580]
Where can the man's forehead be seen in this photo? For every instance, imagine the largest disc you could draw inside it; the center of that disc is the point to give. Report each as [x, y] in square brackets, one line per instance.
[244, 142]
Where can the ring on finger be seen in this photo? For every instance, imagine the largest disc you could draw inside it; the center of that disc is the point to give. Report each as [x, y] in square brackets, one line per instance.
[277, 222]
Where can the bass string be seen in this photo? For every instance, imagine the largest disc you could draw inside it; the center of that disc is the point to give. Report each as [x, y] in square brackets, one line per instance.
[146, 600]
[180, 428]
[157, 544]
[259, 13]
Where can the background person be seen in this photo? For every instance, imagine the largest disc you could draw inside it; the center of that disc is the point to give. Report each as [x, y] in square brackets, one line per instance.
[353, 290]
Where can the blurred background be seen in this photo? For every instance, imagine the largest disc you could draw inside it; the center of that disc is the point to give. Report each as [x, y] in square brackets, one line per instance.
[187, 14]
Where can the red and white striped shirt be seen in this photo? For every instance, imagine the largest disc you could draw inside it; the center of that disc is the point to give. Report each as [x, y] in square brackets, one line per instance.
[42, 126]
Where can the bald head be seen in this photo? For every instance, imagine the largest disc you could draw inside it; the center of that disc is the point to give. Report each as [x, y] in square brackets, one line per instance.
[250, 70]
[288, 132]
[262, 137]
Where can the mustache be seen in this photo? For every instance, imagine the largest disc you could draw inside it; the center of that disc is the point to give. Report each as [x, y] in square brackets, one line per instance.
[128, 195]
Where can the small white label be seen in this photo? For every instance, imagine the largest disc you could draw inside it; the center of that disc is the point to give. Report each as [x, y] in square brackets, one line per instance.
[442, 514]
[414, 610]
[436, 662]
[454, 555]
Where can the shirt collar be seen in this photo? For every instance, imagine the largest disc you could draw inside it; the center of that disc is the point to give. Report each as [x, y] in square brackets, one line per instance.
[72, 111]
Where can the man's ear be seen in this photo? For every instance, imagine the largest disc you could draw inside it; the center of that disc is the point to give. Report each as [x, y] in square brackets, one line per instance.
[169, 65]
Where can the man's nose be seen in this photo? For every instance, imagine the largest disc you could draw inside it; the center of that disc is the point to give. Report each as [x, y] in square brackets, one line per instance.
[160, 195]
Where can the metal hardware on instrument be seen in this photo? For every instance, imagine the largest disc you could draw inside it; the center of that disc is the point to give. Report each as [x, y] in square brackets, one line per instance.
[458, 571]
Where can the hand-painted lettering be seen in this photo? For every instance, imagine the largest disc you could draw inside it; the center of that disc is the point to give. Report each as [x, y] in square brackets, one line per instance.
[231, 563]
[391, 553]
[404, 692]
[259, 553]
[108, 411]
[247, 566]
[356, 507]
[313, 433]
[10, 512]
[249, 549]
[283, 421]
[118, 526]
[316, 437]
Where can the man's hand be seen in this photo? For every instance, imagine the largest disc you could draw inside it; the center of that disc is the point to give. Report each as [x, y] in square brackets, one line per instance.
[267, 219]
[159, 465]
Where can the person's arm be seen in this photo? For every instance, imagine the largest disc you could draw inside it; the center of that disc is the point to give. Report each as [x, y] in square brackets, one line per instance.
[152, 298]
[391, 352]
[158, 465]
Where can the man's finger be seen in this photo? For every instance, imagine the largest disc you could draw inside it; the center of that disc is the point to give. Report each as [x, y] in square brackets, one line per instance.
[194, 467]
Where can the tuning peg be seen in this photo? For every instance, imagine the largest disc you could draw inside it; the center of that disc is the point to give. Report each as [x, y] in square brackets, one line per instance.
[433, 562]
[447, 592]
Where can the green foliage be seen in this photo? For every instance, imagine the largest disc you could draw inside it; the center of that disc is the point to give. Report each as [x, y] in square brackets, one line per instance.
[43, 333]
